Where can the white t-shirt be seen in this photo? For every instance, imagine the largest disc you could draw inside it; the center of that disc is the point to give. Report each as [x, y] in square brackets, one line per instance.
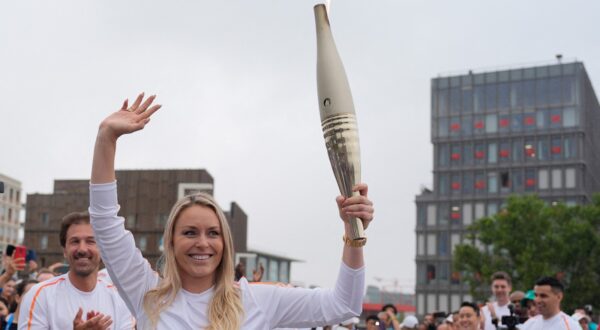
[54, 303]
[560, 321]
[265, 306]
[500, 311]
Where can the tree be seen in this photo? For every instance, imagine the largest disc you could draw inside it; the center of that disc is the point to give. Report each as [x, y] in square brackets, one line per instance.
[530, 239]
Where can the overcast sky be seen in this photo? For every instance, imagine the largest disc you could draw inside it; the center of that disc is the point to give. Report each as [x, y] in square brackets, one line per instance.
[238, 86]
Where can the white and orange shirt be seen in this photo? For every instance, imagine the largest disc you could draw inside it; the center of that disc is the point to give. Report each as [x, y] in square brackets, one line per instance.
[53, 304]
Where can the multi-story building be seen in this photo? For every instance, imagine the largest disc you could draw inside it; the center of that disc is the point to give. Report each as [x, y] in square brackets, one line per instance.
[10, 208]
[516, 131]
[146, 198]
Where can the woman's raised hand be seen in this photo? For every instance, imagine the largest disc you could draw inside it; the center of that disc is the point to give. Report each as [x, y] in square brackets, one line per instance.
[129, 119]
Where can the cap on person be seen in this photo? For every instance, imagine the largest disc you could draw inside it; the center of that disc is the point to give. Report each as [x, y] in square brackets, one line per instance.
[410, 322]
[579, 316]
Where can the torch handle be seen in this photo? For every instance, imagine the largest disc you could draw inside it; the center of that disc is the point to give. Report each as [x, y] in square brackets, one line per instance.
[358, 231]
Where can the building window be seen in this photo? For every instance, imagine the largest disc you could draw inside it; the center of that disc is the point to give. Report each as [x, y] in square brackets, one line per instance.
[480, 153]
[570, 150]
[421, 273]
[130, 221]
[455, 184]
[478, 99]
[543, 149]
[455, 157]
[455, 301]
[442, 127]
[444, 214]
[492, 209]
[478, 125]
[454, 241]
[516, 124]
[45, 219]
[530, 176]
[490, 96]
[479, 211]
[491, 123]
[442, 102]
[455, 126]
[44, 242]
[529, 150]
[504, 123]
[455, 215]
[505, 182]
[443, 184]
[431, 275]
[284, 272]
[443, 155]
[517, 150]
[421, 215]
[556, 179]
[431, 215]
[431, 244]
[467, 214]
[542, 119]
[161, 220]
[467, 186]
[504, 152]
[443, 306]
[468, 154]
[570, 178]
[467, 126]
[142, 243]
[556, 118]
[556, 148]
[543, 179]
[421, 304]
[479, 182]
[443, 244]
[570, 117]
[492, 153]
[492, 182]
[431, 305]
[273, 270]
[420, 244]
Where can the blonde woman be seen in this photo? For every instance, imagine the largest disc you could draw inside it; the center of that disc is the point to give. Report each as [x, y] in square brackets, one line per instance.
[196, 288]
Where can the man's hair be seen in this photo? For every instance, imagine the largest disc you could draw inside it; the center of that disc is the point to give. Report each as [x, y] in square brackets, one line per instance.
[552, 282]
[372, 317]
[502, 276]
[471, 305]
[389, 306]
[74, 218]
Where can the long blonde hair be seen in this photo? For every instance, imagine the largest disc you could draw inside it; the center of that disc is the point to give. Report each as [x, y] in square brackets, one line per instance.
[225, 310]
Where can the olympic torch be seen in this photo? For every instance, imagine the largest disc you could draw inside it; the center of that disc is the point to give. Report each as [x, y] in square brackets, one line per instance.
[338, 119]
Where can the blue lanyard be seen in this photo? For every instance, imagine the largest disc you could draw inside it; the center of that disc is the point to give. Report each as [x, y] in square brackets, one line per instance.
[9, 320]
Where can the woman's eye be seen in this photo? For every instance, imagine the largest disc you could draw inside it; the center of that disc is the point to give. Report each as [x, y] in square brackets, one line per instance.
[213, 233]
[189, 233]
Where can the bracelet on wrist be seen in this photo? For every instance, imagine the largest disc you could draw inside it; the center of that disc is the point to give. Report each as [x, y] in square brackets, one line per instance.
[356, 243]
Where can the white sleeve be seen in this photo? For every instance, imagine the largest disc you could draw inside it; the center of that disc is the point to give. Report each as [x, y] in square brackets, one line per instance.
[129, 271]
[301, 308]
[32, 314]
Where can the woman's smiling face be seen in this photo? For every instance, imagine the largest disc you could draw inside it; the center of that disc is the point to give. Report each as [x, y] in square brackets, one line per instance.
[198, 247]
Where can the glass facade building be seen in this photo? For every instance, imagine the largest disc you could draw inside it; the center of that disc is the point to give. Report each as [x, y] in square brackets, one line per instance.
[518, 131]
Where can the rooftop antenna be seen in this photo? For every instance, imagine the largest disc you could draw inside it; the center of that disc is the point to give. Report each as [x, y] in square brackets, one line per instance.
[559, 58]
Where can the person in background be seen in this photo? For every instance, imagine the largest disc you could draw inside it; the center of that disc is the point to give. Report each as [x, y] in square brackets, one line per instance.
[372, 322]
[549, 292]
[44, 274]
[11, 321]
[469, 316]
[388, 319]
[410, 322]
[494, 310]
[59, 303]
[582, 319]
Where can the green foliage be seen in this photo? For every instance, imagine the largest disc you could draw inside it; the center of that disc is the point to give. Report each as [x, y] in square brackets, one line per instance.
[529, 239]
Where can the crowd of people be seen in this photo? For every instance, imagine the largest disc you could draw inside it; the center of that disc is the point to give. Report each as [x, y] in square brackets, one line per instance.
[537, 309]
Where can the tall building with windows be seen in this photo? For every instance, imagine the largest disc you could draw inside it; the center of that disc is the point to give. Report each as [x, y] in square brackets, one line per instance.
[10, 208]
[517, 131]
